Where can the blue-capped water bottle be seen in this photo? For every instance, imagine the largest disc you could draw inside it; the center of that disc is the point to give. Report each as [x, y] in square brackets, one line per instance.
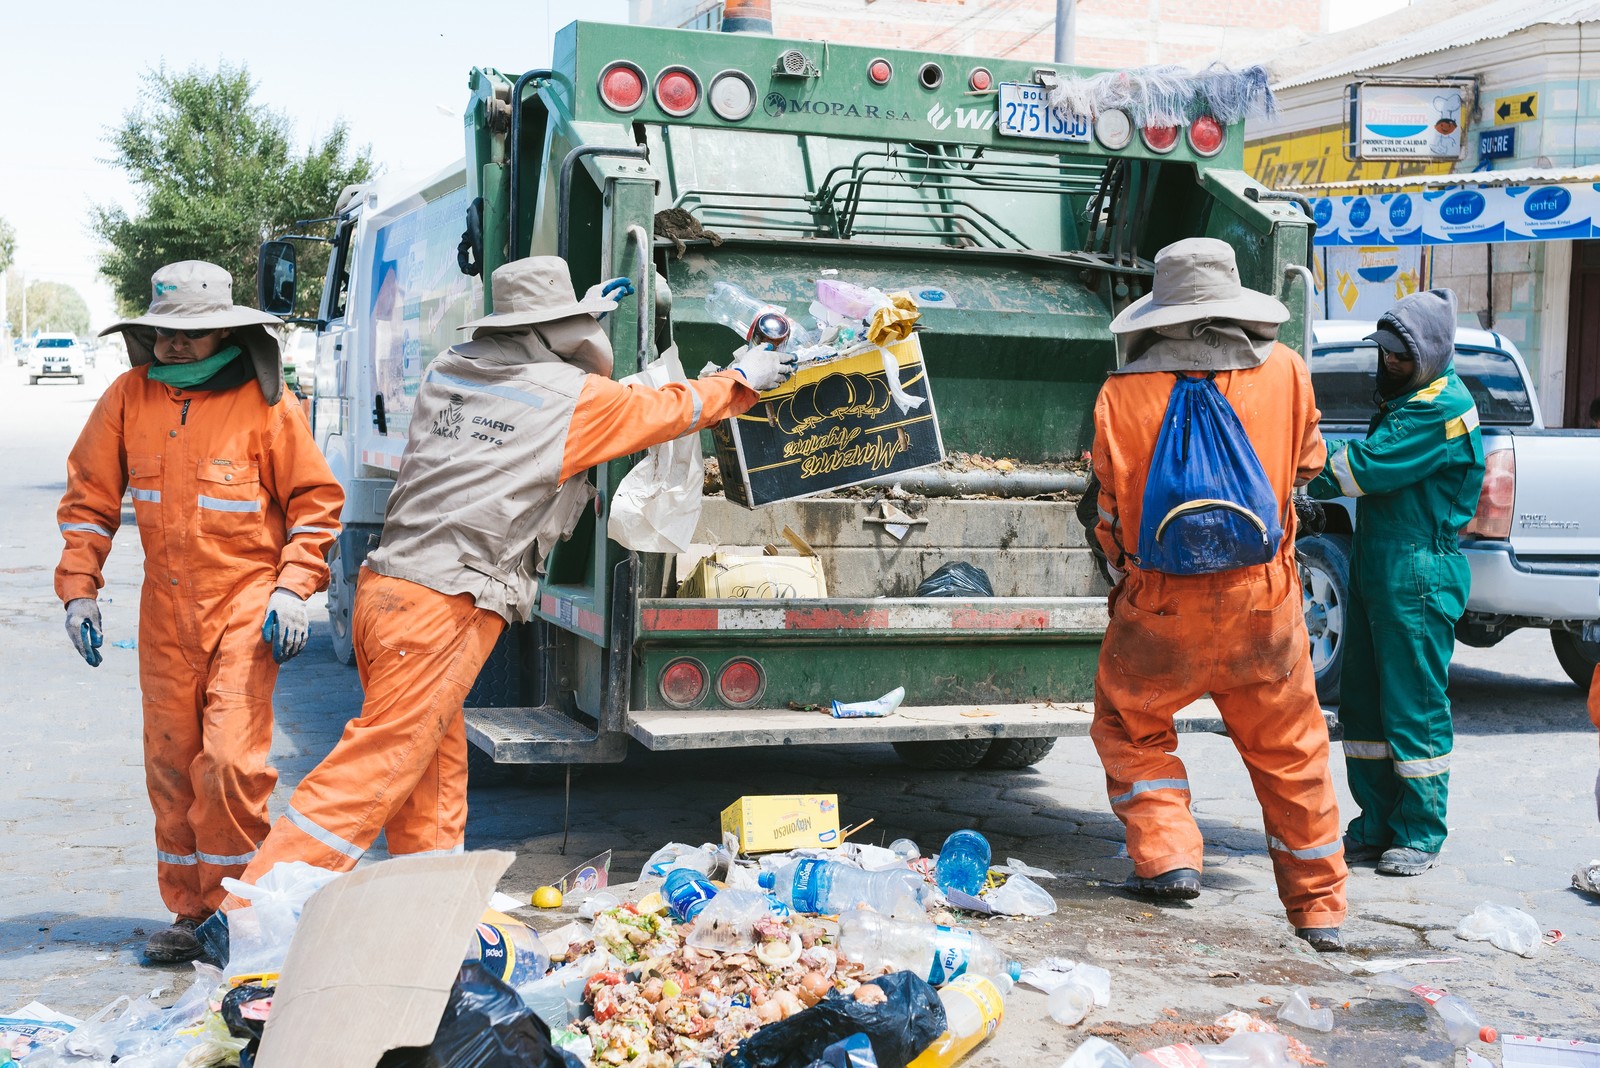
[686, 892]
[825, 886]
[963, 863]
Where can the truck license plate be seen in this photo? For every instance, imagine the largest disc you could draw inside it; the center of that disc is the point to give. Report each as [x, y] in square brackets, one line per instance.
[1026, 112]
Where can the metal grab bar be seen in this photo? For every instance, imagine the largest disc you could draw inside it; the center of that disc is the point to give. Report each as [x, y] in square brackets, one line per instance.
[564, 196]
[1290, 273]
[638, 238]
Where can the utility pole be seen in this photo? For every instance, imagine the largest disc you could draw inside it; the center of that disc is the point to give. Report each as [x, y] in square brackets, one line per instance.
[1066, 29]
[22, 287]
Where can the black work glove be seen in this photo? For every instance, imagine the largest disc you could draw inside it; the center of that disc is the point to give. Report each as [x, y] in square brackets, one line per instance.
[1310, 519]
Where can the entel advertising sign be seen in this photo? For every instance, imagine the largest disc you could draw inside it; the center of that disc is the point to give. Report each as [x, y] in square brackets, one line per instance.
[1460, 216]
[1420, 121]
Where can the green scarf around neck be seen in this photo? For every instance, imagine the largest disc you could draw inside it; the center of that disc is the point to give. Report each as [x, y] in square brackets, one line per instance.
[189, 375]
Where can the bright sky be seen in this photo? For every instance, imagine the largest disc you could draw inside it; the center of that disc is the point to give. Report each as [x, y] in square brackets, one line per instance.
[394, 70]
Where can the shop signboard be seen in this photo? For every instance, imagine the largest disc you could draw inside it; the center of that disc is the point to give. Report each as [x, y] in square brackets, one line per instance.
[1460, 216]
[1414, 120]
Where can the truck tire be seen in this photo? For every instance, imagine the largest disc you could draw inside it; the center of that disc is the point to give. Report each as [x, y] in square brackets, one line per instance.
[955, 754]
[341, 606]
[1014, 753]
[1578, 657]
[1325, 573]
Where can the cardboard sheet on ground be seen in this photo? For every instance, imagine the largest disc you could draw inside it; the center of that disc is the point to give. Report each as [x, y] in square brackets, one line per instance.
[372, 962]
[1532, 1051]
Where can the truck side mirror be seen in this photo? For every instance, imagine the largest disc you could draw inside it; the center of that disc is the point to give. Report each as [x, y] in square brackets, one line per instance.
[275, 278]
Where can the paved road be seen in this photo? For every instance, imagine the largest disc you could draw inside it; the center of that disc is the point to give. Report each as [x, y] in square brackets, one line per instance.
[76, 851]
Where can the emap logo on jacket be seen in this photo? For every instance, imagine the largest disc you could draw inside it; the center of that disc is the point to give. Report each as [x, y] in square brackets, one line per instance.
[448, 423]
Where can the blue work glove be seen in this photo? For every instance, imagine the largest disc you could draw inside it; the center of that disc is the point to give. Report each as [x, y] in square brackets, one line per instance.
[617, 288]
[83, 627]
[287, 625]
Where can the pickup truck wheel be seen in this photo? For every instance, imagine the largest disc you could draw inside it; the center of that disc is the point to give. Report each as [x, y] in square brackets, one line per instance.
[1016, 752]
[953, 755]
[341, 601]
[1325, 576]
[1578, 657]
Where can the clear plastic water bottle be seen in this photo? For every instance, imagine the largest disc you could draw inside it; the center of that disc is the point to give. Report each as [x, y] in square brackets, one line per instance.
[1097, 1053]
[1460, 1022]
[733, 306]
[974, 1006]
[905, 849]
[686, 892]
[938, 954]
[963, 863]
[828, 887]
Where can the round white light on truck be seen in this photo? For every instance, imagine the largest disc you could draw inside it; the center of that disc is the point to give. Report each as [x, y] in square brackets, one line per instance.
[1113, 129]
[622, 86]
[733, 95]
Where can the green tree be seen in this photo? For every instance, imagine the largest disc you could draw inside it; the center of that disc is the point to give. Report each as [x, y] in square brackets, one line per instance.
[215, 174]
[53, 307]
[8, 246]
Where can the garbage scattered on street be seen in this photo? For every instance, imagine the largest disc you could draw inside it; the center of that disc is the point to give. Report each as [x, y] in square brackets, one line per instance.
[1298, 1010]
[1502, 927]
[963, 863]
[1378, 965]
[1460, 1022]
[768, 823]
[1247, 1049]
[974, 1007]
[1587, 878]
[1097, 1053]
[32, 1027]
[1535, 1051]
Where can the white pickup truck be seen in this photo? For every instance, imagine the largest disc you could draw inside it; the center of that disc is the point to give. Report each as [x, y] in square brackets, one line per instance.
[1534, 545]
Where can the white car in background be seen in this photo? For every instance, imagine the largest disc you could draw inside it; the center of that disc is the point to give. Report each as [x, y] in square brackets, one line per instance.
[56, 356]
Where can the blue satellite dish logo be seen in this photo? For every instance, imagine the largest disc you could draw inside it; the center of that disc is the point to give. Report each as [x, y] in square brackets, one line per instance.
[1462, 207]
[1548, 203]
[1400, 210]
[1360, 211]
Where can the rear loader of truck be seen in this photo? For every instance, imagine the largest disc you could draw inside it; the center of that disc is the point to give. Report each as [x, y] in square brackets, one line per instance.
[681, 159]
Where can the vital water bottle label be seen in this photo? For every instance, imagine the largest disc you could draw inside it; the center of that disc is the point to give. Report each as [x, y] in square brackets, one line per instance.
[812, 881]
[952, 954]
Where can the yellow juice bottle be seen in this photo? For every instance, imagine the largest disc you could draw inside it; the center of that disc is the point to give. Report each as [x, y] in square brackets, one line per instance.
[973, 1008]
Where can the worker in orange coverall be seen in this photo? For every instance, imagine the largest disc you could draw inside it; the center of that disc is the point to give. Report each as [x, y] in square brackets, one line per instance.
[236, 510]
[1237, 634]
[503, 429]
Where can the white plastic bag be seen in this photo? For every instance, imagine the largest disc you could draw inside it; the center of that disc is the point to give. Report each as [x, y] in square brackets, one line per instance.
[656, 506]
[259, 933]
[1021, 896]
[1504, 928]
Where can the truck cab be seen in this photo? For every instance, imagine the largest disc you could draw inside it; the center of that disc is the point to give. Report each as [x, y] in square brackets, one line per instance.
[681, 159]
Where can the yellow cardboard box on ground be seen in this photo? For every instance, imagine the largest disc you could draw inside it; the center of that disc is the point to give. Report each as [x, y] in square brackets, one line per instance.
[766, 823]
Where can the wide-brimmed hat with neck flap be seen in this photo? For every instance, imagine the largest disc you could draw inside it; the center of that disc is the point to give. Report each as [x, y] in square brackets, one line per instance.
[196, 295]
[536, 290]
[1197, 278]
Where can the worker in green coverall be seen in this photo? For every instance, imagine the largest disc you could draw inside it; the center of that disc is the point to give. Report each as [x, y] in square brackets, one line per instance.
[1415, 480]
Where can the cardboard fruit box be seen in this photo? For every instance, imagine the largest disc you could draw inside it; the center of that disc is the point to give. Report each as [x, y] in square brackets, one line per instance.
[766, 823]
[831, 425]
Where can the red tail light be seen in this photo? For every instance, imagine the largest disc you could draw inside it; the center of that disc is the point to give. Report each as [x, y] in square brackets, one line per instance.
[684, 682]
[880, 71]
[980, 80]
[1160, 138]
[1498, 499]
[677, 91]
[741, 682]
[622, 86]
[1207, 136]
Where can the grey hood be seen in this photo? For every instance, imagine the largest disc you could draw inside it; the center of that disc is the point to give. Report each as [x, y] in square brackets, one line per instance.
[1425, 324]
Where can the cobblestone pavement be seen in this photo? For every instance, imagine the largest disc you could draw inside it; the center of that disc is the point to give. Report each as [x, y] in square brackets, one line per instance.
[75, 827]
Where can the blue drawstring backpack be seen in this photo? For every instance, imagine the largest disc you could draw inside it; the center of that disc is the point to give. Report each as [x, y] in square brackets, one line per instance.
[1207, 503]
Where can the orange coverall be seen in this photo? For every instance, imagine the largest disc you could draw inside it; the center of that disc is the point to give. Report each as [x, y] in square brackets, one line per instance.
[232, 499]
[401, 767]
[1238, 635]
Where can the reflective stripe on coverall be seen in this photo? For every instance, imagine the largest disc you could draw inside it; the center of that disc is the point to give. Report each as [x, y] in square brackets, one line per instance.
[401, 767]
[232, 498]
[1416, 481]
[1239, 635]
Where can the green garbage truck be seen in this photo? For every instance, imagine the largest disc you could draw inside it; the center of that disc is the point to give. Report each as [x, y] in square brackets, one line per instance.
[683, 158]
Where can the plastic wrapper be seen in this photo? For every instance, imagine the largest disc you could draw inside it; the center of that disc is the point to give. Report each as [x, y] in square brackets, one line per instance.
[900, 1026]
[883, 706]
[259, 934]
[1021, 896]
[958, 579]
[1097, 1053]
[485, 1025]
[679, 855]
[1298, 1011]
[1504, 928]
[656, 506]
[727, 923]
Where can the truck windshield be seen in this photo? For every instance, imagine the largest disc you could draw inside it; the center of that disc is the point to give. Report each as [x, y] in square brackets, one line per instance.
[54, 343]
[747, 183]
[1345, 380]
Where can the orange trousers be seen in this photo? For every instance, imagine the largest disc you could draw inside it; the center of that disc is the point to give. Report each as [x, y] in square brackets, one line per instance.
[1239, 636]
[207, 734]
[401, 767]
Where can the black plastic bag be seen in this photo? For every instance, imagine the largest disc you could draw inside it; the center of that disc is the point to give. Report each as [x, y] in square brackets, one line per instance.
[900, 1028]
[959, 579]
[485, 1025]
